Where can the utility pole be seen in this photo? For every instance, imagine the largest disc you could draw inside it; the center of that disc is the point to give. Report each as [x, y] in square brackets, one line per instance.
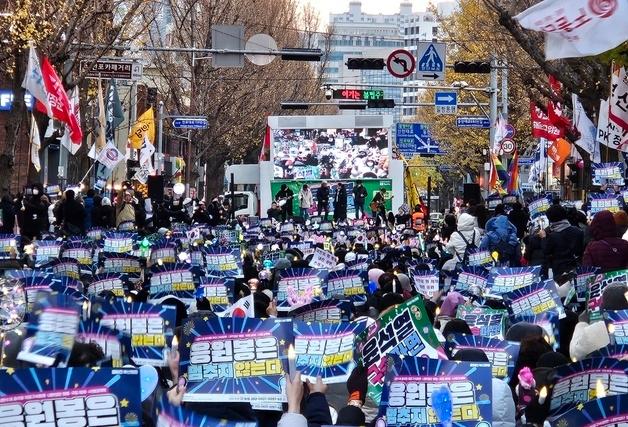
[160, 136]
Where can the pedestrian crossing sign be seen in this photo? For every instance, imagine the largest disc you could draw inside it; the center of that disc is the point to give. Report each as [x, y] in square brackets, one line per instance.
[431, 64]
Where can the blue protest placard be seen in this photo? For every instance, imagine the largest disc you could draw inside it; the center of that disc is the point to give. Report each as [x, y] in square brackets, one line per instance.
[610, 173]
[407, 396]
[164, 250]
[45, 250]
[34, 284]
[119, 242]
[50, 330]
[584, 276]
[218, 291]
[169, 415]
[150, 328]
[608, 411]
[69, 397]
[114, 344]
[326, 350]
[534, 299]
[111, 282]
[8, 245]
[484, 321]
[508, 279]
[549, 322]
[82, 252]
[172, 280]
[617, 325]
[471, 277]
[235, 359]
[121, 264]
[576, 382]
[95, 233]
[221, 261]
[605, 202]
[348, 284]
[501, 354]
[328, 311]
[299, 286]
[480, 258]
[65, 267]
[596, 288]
[539, 206]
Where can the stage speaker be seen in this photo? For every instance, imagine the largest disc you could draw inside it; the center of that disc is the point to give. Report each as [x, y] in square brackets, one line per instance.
[472, 193]
[156, 188]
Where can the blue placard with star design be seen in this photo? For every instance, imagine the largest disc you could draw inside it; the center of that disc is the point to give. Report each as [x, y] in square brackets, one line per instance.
[70, 396]
[235, 359]
[611, 411]
[170, 415]
[502, 354]
[326, 349]
[407, 396]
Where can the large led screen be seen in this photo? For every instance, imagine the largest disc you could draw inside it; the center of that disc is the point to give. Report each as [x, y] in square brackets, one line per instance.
[330, 153]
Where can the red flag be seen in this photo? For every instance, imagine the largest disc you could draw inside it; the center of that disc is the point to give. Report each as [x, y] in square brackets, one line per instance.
[59, 102]
[556, 117]
[555, 86]
[264, 155]
[513, 182]
[542, 127]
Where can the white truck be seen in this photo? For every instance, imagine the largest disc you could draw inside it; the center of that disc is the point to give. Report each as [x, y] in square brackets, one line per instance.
[246, 180]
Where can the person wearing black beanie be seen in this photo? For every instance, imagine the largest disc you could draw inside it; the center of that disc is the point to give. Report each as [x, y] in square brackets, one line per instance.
[456, 326]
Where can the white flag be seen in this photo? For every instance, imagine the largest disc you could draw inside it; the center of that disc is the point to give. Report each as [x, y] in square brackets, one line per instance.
[500, 134]
[146, 165]
[609, 133]
[244, 307]
[35, 144]
[576, 28]
[587, 130]
[66, 141]
[34, 81]
[110, 156]
[618, 108]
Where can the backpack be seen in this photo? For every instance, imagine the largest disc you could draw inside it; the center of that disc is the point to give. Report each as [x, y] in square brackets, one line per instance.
[505, 250]
[470, 246]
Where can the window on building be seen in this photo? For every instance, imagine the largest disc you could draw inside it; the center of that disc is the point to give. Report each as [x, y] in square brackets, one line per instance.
[434, 31]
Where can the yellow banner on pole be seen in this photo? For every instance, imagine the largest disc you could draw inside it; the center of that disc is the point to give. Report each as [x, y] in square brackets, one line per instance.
[144, 126]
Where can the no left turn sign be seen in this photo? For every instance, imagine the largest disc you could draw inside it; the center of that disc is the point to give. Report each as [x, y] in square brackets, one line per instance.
[401, 63]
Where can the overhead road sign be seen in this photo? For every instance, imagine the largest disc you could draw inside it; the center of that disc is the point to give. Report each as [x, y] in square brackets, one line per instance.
[415, 139]
[480, 122]
[432, 59]
[401, 63]
[112, 69]
[190, 122]
[446, 102]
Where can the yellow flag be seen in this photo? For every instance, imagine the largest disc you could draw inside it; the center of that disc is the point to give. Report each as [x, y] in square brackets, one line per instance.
[145, 125]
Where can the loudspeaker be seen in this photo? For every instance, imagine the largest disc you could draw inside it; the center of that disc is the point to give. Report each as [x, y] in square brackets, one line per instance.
[472, 193]
[156, 188]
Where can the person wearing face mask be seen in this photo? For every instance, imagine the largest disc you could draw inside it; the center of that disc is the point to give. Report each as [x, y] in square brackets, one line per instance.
[35, 214]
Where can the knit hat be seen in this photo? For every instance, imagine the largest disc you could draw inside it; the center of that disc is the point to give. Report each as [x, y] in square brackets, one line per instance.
[521, 330]
[451, 303]
[471, 355]
[614, 297]
[405, 282]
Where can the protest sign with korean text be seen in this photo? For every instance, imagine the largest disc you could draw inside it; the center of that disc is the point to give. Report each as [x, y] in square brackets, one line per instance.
[610, 411]
[596, 288]
[484, 321]
[299, 286]
[534, 299]
[617, 324]
[172, 280]
[501, 354]
[328, 311]
[114, 344]
[222, 261]
[471, 277]
[348, 284]
[507, 279]
[218, 291]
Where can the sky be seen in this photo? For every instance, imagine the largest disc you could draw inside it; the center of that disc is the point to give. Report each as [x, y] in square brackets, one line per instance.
[325, 7]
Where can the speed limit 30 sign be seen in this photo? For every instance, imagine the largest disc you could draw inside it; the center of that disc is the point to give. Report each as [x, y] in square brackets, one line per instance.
[508, 146]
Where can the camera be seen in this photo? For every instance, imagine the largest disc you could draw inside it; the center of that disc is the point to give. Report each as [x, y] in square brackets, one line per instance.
[329, 94]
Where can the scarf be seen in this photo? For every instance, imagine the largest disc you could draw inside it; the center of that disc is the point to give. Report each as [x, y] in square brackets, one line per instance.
[559, 226]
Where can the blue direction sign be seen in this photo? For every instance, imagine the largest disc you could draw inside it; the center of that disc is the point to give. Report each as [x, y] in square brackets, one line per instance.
[431, 64]
[473, 122]
[446, 102]
[190, 123]
[415, 139]
[526, 161]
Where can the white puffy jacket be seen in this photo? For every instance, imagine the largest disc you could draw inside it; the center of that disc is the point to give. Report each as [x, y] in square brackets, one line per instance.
[468, 227]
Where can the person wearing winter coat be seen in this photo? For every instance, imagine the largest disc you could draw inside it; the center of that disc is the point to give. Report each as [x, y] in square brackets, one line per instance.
[73, 214]
[519, 218]
[103, 214]
[606, 250]
[501, 237]
[306, 200]
[88, 202]
[563, 242]
[7, 221]
[466, 234]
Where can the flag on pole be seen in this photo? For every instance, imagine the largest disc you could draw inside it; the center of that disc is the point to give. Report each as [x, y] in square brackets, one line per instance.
[586, 129]
[115, 113]
[500, 133]
[608, 132]
[542, 127]
[577, 28]
[244, 307]
[67, 141]
[618, 102]
[110, 156]
[498, 176]
[35, 144]
[146, 164]
[264, 154]
[33, 81]
[513, 180]
[99, 127]
[142, 128]
[559, 150]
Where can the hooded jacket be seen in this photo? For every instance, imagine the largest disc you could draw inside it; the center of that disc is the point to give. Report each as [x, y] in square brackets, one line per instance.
[467, 226]
[605, 250]
[499, 229]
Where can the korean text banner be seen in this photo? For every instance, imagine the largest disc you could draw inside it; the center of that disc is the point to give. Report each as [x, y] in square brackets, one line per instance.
[501, 354]
[405, 330]
[326, 350]
[218, 291]
[114, 344]
[484, 321]
[348, 284]
[298, 286]
[539, 206]
[235, 359]
[327, 311]
[172, 280]
[471, 277]
[506, 279]
[407, 396]
[149, 326]
[617, 324]
[576, 383]
[72, 396]
[534, 299]
[222, 261]
[596, 288]
[607, 411]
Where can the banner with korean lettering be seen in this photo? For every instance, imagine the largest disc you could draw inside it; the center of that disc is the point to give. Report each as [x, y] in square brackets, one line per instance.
[507, 279]
[223, 261]
[596, 288]
[323, 260]
[480, 258]
[405, 330]
[407, 395]
[231, 359]
[611, 411]
[149, 326]
[299, 286]
[327, 311]
[610, 173]
[35, 284]
[534, 299]
[501, 354]
[617, 324]
[107, 282]
[326, 350]
[542, 127]
[584, 276]
[470, 278]
[8, 245]
[484, 321]
[45, 250]
[69, 397]
[348, 284]
[118, 242]
[119, 263]
[163, 250]
[114, 344]
[82, 252]
[218, 291]
[172, 280]
[64, 267]
[576, 382]
[605, 202]
[539, 206]
[51, 328]
[426, 282]
[168, 415]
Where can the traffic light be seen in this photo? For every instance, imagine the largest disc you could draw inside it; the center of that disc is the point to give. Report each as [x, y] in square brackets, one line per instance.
[365, 63]
[472, 67]
[151, 96]
[381, 103]
[574, 173]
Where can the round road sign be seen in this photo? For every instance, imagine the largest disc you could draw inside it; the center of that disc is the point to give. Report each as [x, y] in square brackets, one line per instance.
[510, 131]
[508, 146]
[401, 63]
